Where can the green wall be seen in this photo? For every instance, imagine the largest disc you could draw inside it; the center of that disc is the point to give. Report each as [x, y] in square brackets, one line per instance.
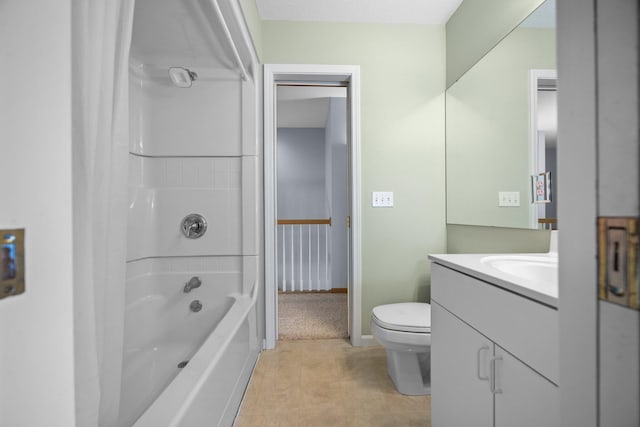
[477, 26]
[402, 142]
[470, 239]
[252, 18]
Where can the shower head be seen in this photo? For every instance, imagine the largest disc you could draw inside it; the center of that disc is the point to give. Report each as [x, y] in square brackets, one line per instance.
[182, 77]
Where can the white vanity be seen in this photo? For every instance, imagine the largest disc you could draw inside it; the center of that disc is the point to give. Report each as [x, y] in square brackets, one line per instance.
[494, 348]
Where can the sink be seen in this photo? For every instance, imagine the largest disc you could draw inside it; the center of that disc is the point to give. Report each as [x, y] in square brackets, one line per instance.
[539, 269]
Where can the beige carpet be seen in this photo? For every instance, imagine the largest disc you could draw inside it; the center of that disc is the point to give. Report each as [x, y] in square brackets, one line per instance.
[312, 316]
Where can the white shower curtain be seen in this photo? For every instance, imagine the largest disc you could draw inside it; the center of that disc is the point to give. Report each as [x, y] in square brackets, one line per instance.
[101, 39]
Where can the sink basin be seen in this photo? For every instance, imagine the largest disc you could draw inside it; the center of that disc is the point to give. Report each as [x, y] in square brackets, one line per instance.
[540, 269]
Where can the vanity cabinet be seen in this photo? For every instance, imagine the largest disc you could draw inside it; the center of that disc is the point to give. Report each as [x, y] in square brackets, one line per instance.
[485, 369]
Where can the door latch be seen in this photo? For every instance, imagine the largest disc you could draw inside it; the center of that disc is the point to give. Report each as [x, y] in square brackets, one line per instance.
[618, 260]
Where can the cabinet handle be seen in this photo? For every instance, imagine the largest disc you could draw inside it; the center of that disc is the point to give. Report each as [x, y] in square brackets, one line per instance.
[492, 376]
[478, 363]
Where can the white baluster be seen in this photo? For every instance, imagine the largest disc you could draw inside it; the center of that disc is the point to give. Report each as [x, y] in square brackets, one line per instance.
[326, 255]
[309, 263]
[293, 263]
[318, 255]
[300, 255]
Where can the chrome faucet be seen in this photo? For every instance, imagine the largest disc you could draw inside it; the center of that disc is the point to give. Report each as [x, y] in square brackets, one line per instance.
[193, 283]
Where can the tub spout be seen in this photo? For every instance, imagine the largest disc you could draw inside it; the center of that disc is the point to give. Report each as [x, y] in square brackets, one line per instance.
[193, 283]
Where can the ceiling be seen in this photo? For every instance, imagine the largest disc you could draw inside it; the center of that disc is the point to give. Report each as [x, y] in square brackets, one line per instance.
[369, 11]
[305, 106]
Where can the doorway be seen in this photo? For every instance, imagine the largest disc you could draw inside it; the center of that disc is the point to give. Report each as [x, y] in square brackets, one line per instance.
[543, 109]
[311, 189]
[316, 270]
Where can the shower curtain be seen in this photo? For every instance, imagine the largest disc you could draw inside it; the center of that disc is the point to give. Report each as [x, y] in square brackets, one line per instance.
[101, 39]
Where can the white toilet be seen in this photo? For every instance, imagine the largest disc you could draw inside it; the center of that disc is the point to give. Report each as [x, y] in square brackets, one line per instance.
[404, 329]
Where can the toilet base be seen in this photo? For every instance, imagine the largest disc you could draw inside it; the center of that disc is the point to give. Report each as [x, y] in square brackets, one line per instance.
[410, 371]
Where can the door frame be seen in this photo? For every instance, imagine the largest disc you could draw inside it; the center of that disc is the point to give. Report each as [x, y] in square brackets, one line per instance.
[349, 75]
[535, 75]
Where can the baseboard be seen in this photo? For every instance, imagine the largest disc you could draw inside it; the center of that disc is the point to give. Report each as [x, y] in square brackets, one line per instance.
[368, 341]
[323, 291]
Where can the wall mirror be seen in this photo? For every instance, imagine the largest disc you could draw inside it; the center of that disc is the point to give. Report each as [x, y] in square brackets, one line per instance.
[501, 123]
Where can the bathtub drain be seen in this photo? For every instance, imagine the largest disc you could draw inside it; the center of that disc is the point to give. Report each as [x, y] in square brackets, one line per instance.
[183, 364]
[195, 306]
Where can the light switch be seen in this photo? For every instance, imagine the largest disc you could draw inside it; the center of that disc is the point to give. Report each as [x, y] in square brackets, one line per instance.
[382, 199]
[509, 198]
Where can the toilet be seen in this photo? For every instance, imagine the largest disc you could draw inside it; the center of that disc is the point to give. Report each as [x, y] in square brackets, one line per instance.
[404, 329]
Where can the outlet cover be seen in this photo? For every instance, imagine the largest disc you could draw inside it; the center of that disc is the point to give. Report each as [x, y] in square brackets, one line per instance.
[382, 199]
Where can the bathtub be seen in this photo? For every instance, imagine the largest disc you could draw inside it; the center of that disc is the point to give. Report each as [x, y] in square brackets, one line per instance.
[180, 367]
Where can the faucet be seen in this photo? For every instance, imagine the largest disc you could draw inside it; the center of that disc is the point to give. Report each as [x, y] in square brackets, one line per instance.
[193, 283]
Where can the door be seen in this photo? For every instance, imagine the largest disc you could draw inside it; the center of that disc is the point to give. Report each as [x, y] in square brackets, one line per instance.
[460, 373]
[523, 395]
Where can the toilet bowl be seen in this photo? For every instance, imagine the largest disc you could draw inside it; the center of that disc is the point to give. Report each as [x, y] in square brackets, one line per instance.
[404, 329]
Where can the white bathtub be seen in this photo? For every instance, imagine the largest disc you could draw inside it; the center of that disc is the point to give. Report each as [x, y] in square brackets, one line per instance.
[218, 342]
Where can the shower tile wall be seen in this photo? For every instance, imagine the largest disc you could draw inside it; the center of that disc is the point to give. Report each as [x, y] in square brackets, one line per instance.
[168, 189]
[184, 122]
[193, 151]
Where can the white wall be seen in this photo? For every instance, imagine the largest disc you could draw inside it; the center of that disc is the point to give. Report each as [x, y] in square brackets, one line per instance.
[36, 328]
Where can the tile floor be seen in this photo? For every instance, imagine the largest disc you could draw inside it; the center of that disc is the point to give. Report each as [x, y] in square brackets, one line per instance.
[327, 382]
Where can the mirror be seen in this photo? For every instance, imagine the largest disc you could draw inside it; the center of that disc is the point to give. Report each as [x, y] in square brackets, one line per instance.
[500, 124]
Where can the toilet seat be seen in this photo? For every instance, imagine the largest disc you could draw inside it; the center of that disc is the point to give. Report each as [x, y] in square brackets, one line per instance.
[404, 317]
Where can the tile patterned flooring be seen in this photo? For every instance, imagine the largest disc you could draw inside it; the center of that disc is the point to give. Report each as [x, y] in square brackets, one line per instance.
[327, 382]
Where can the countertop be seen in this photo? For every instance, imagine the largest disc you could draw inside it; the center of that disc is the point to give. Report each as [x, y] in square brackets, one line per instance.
[472, 265]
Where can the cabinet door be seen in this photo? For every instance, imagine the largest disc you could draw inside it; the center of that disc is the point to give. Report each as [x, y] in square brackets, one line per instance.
[459, 356]
[524, 398]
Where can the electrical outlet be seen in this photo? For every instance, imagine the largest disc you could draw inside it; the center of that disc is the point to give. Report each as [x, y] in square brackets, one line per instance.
[508, 198]
[382, 199]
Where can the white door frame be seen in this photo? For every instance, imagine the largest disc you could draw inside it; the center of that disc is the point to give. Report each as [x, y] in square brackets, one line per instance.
[534, 76]
[349, 75]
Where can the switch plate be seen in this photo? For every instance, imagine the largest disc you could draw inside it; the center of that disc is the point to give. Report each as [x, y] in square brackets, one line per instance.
[382, 199]
[508, 198]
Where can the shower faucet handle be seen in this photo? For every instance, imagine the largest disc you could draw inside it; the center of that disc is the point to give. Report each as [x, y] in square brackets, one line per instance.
[194, 226]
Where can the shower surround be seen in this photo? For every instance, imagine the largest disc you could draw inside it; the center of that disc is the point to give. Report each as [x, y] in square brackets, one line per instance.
[191, 333]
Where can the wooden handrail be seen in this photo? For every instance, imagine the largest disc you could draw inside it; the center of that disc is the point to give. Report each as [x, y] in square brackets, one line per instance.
[547, 220]
[304, 221]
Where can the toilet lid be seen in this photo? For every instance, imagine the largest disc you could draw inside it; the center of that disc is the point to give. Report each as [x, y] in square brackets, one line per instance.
[405, 317]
